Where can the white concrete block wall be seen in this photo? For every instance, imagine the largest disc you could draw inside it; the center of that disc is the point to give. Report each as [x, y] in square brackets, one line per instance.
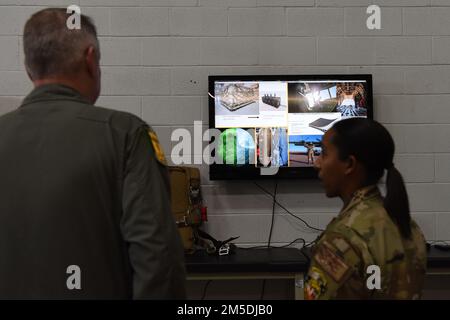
[157, 54]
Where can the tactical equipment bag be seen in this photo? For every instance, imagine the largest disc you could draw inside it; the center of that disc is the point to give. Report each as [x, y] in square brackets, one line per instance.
[187, 206]
[189, 213]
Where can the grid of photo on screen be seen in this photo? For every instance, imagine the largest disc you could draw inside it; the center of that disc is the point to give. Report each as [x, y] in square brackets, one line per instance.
[281, 123]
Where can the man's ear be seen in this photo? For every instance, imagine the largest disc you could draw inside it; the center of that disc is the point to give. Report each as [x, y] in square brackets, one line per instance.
[91, 61]
[351, 164]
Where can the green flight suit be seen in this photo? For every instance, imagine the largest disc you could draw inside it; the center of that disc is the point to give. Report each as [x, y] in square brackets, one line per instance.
[85, 186]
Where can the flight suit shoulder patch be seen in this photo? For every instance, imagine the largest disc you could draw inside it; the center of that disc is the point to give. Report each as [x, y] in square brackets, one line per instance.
[159, 153]
[328, 259]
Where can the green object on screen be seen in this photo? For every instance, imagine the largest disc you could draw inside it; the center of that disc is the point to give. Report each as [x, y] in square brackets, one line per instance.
[236, 146]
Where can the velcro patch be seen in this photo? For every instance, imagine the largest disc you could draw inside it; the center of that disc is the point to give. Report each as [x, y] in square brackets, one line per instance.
[341, 245]
[330, 262]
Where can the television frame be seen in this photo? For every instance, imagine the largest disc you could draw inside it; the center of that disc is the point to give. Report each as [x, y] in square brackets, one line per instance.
[247, 172]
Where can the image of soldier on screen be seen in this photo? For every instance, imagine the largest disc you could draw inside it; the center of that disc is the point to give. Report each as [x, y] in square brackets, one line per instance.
[304, 150]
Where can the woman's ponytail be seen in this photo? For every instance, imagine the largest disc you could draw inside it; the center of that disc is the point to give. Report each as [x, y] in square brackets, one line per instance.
[396, 201]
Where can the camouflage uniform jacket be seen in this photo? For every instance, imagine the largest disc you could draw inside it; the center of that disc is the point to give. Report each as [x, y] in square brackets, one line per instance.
[361, 236]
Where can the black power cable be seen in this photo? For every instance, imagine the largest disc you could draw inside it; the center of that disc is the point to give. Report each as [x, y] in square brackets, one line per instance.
[294, 241]
[275, 202]
[205, 288]
[270, 233]
[283, 246]
[282, 207]
[263, 289]
[273, 213]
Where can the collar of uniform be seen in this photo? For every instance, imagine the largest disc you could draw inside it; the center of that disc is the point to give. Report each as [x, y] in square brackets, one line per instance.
[361, 194]
[52, 91]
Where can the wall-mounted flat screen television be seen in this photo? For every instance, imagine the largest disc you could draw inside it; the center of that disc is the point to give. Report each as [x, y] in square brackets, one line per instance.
[271, 126]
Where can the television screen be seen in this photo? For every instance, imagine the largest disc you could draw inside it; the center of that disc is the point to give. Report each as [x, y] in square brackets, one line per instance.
[277, 122]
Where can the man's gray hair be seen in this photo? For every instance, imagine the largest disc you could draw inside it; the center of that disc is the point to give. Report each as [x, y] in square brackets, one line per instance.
[51, 48]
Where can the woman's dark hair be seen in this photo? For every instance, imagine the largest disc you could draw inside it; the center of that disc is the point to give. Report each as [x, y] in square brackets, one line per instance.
[372, 145]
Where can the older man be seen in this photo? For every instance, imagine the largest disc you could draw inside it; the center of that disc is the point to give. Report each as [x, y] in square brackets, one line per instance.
[84, 192]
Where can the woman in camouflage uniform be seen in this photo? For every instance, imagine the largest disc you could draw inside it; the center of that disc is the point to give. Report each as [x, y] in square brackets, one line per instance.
[372, 249]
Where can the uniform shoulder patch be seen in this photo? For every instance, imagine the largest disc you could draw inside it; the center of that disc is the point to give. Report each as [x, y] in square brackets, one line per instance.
[159, 153]
[316, 284]
[330, 262]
